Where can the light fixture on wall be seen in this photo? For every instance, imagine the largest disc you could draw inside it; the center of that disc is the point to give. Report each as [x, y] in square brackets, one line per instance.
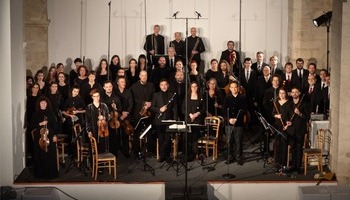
[324, 19]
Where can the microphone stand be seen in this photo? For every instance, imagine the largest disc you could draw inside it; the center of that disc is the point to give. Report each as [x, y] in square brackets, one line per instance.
[186, 193]
[228, 132]
[109, 37]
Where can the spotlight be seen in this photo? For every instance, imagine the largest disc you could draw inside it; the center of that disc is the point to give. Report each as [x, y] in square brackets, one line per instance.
[326, 17]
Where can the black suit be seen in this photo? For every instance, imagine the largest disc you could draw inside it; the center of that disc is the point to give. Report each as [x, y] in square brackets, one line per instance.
[170, 62]
[225, 55]
[249, 85]
[180, 47]
[277, 70]
[288, 85]
[324, 104]
[313, 98]
[200, 48]
[260, 87]
[255, 67]
[154, 42]
[301, 82]
[164, 140]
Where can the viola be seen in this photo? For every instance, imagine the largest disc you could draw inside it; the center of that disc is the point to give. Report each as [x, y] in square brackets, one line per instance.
[114, 122]
[127, 127]
[102, 126]
[144, 112]
[44, 141]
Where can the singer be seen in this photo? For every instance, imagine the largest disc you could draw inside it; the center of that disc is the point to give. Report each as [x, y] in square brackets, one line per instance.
[235, 107]
[165, 108]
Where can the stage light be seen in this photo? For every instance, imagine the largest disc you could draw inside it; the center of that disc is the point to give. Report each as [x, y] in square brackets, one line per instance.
[323, 19]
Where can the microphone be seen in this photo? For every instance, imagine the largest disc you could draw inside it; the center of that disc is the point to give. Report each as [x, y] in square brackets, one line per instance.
[175, 14]
[198, 14]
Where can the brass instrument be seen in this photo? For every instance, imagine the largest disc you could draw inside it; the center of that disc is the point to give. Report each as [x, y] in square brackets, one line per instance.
[194, 49]
[44, 141]
[154, 44]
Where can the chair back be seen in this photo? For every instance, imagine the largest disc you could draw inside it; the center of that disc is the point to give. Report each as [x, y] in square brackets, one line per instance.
[323, 140]
[94, 147]
[214, 124]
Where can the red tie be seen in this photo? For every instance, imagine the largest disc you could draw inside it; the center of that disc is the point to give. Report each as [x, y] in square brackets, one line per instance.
[310, 90]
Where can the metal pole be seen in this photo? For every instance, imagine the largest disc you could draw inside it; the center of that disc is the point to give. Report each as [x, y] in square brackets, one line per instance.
[109, 37]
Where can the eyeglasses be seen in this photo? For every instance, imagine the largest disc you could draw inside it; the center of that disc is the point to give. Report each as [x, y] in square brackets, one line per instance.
[95, 95]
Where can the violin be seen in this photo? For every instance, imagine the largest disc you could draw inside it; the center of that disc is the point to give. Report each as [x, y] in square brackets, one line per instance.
[127, 127]
[144, 112]
[114, 122]
[44, 141]
[71, 112]
[102, 126]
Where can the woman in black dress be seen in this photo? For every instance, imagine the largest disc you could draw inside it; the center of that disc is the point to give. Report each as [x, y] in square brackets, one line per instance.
[195, 115]
[44, 156]
[103, 73]
[133, 73]
[282, 112]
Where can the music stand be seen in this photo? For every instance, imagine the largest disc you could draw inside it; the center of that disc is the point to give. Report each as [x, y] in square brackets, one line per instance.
[174, 127]
[269, 129]
[146, 166]
[82, 165]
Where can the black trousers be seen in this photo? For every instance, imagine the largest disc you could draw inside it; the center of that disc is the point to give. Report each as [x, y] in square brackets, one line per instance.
[164, 141]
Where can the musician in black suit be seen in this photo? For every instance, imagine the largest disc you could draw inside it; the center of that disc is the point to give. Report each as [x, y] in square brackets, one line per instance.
[164, 107]
[312, 70]
[275, 66]
[234, 111]
[261, 85]
[300, 118]
[228, 54]
[195, 48]
[259, 64]
[142, 92]
[301, 73]
[324, 104]
[160, 72]
[313, 94]
[154, 44]
[271, 95]
[172, 58]
[288, 79]
[179, 45]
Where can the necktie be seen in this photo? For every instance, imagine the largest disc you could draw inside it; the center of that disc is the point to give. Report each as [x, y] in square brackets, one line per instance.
[310, 90]
[322, 85]
[171, 63]
[288, 78]
[272, 70]
[247, 75]
[259, 67]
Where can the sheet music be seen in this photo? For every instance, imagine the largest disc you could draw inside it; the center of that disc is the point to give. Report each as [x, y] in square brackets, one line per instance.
[177, 126]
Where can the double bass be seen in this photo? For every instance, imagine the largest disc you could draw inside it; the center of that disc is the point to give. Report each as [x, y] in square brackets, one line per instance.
[44, 141]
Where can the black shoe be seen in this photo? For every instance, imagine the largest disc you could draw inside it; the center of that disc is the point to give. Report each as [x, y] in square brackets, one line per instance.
[229, 161]
[240, 162]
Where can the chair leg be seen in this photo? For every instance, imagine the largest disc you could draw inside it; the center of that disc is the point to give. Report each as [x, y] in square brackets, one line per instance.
[57, 158]
[115, 169]
[96, 170]
[157, 149]
[109, 167]
[305, 163]
[321, 163]
[288, 155]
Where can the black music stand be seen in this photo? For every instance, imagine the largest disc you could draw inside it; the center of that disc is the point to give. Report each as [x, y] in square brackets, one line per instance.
[82, 163]
[269, 129]
[175, 128]
[146, 166]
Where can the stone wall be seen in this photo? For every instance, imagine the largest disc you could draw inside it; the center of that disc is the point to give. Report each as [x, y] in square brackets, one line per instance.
[35, 34]
[304, 39]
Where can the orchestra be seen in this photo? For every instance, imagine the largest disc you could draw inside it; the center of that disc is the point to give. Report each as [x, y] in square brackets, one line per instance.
[153, 86]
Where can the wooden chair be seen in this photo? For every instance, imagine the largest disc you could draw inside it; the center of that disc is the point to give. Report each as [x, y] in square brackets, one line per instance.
[318, 151]
[208, 141]
[289, 153]
[102, 160]
[82, 147]
[60, 145]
